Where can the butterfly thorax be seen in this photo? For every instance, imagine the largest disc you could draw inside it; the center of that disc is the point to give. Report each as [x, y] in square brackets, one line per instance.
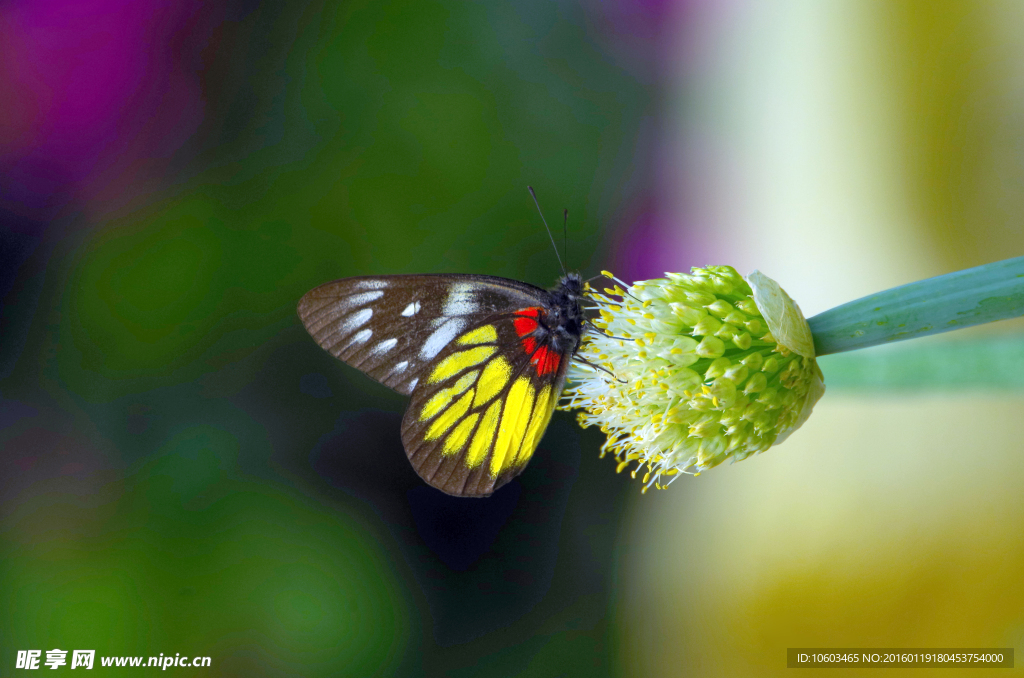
[564, 318]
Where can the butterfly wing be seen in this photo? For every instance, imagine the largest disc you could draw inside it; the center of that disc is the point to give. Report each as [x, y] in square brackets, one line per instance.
[483, 404]
[483, 385]
[390, 327]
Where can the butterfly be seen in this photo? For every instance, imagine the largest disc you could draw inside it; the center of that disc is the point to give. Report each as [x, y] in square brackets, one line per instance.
[483, 358]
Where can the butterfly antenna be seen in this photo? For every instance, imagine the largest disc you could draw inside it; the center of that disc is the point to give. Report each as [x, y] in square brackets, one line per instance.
[599, 367]
[565, 233]
[530, 188]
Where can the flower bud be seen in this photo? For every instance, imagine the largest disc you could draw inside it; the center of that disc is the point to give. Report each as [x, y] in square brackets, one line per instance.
[720, 308]
[710, 347]
[706, 367]
[708, 325]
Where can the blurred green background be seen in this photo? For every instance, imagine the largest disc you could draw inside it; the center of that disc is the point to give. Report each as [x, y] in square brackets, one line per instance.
[184, 470]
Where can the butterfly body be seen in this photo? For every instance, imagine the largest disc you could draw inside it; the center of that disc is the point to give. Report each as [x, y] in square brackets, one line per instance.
[483, 358]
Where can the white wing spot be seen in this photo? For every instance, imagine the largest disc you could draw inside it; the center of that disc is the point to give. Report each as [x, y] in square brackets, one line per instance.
[364, 298]
[353, 321]
[400, 367]
[373, 284]
[412, 309]
[385, 346]
[460, 301]
[412, 384]
[361, 336]
[441, 337]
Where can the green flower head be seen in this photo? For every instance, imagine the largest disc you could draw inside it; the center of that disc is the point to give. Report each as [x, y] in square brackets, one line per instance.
[691, 370]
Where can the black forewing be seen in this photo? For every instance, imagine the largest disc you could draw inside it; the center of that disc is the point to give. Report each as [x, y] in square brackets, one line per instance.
[391, 327]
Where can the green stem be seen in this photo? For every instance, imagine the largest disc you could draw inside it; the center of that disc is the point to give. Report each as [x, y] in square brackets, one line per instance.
[948, 302]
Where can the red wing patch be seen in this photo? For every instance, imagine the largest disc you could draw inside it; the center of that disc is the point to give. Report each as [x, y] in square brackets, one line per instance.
[543, 359]
[546, 360]
[526, 321]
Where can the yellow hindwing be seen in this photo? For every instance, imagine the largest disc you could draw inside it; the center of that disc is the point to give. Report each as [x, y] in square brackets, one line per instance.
[514, 420]
[464, 415]
[481, 335]
[460, 361]
[456, 440]
[538, 422]
[484, 435]
[442, 398]
[494, 377]
[449, 417]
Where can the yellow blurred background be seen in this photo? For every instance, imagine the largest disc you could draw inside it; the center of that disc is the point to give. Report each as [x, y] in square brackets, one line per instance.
[844, 147]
